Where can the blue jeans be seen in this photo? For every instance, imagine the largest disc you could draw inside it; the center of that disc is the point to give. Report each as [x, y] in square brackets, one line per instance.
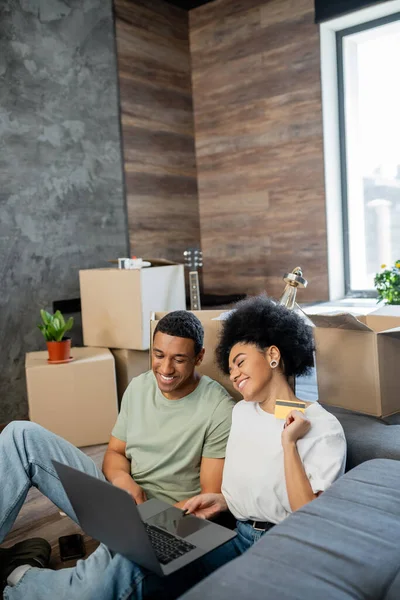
[26, 450]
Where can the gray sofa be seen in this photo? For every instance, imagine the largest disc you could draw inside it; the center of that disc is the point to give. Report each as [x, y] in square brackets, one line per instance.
[345, 544]
[368, 437]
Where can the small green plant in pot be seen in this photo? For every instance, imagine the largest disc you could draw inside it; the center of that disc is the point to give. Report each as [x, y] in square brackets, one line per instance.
[387, 284]
[54, 328]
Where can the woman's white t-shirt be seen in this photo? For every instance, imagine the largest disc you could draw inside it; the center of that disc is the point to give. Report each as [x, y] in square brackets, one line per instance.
[254, 482]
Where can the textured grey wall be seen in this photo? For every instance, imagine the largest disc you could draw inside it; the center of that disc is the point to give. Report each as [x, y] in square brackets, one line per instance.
[61, 192]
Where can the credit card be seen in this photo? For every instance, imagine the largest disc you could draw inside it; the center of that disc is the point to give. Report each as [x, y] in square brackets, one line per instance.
[284, 407]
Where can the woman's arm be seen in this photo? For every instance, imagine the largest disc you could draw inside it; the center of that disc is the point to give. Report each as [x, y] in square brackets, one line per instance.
[298, 487]
[297, 484]
[206, 506]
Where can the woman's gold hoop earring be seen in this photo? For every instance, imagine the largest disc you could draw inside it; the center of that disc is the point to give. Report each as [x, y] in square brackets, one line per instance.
[273, 364]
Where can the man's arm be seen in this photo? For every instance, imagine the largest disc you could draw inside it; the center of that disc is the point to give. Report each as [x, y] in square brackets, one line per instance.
[214, 446]
[210, 477]
[117, 469]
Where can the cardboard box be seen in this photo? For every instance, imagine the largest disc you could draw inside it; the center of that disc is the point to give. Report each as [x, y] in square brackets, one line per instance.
[76, 400]
[117, 303]
[357, 360]
[129, 364]
[212, 330]
[390, 320]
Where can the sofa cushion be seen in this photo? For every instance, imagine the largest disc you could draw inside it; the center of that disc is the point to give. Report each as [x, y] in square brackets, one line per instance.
[368, 437]
[345, 544]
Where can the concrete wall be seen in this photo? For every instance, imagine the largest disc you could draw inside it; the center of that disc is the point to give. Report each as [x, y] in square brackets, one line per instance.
[61, 194]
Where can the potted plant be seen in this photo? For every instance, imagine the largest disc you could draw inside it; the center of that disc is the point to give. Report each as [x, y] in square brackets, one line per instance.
[387, 284]
[54, 328]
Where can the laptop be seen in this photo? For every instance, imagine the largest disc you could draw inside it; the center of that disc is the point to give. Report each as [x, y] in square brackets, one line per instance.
[155, 535]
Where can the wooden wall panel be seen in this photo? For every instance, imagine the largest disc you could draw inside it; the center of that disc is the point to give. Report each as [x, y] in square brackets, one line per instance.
[258, 123]
[157, 126]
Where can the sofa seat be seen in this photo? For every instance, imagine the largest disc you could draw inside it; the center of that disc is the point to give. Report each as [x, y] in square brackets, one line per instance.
[345, 544]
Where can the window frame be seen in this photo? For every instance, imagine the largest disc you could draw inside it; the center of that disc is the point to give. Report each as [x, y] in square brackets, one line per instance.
[340, 37]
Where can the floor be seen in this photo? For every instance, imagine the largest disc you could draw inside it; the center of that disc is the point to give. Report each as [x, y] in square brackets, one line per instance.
[39, 517]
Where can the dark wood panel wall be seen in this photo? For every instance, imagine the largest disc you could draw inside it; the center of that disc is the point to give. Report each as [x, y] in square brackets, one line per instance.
[258, 123]
[157, 127]
[253, 73]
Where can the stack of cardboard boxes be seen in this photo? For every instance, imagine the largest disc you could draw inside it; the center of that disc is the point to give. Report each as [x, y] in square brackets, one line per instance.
[78, 400]
[357, 357]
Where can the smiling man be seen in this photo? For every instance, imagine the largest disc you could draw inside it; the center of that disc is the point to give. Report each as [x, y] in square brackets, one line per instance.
[168, 443]
[170, 437]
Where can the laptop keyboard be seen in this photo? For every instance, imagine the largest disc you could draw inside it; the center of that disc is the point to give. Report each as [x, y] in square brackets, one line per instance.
[167, 547]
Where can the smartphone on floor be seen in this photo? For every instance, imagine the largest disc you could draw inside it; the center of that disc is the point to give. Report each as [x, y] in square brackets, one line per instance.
[71, 546]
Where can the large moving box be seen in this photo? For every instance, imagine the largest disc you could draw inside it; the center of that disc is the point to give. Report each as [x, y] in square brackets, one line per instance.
[212, 328]
[357, 360]
[129, 364]
[76, 400]
[117, 303]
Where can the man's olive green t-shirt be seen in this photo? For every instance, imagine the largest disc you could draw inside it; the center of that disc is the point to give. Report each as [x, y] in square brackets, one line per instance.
[166, 439]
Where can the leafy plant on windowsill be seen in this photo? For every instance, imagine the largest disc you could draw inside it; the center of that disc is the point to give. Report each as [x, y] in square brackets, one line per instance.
[387, 284]
[54, 326]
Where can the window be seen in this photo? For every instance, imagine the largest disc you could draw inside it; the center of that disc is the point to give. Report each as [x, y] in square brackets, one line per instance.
[369, 120]
[361, 108]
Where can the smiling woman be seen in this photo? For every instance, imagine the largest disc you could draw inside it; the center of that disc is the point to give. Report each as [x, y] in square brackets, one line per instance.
[273, 465]
[261, 323]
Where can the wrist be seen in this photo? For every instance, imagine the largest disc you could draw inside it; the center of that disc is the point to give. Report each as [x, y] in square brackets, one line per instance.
[224, 505]
[121, 476]
[289, 444]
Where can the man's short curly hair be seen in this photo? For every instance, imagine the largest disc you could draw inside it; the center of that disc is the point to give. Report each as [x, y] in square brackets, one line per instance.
[184, 324]
[262, 322]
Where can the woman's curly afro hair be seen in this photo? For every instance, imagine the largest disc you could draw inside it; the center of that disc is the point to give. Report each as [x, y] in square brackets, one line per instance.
[262, 322]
